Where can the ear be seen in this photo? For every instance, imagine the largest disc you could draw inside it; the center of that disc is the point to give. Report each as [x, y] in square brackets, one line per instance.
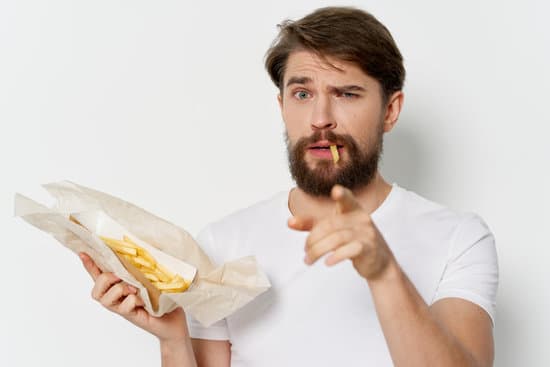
[280, 100]
[393, 109]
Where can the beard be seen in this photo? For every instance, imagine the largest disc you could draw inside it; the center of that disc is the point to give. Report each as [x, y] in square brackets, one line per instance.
[357, 172]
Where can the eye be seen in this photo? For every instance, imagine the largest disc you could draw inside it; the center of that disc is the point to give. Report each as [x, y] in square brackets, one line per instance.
[349, 95]
[301, 94]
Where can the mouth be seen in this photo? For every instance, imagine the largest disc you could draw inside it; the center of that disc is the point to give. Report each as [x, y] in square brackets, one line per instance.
[321, 149]
[324, 145]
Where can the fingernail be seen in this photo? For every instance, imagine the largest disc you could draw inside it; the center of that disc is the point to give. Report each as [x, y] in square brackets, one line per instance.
[132, 289]
[307, 260]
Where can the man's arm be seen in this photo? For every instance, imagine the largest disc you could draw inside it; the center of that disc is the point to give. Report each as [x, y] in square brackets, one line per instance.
[452, 332]
[212, 353]
[177, 353]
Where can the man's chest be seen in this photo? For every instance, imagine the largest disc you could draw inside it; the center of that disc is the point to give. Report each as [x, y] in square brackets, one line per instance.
[326, 311]
[314, 312]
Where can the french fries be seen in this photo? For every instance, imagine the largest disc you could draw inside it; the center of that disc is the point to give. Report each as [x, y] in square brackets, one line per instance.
[335, 155]
[162, 278]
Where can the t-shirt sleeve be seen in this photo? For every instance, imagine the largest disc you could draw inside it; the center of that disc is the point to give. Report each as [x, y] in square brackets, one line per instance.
[471, 272]
[218, 330]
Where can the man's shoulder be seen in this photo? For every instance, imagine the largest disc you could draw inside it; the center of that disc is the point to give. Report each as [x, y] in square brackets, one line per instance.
[411, 203]
[425, 213]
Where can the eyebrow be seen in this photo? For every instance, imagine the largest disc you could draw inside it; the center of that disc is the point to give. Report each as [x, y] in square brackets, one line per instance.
[350, 87]
[298, 80]
[306, 80]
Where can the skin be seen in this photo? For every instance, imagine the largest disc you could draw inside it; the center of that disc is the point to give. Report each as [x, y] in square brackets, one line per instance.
[451, 332]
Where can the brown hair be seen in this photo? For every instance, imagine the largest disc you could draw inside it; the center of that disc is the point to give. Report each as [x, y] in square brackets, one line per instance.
[346, 33]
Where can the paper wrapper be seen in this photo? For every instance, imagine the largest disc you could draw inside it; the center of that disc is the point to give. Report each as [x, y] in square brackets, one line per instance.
[82, 214]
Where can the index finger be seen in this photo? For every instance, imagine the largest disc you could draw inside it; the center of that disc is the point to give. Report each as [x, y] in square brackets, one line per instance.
[345, 201]
[90, 265]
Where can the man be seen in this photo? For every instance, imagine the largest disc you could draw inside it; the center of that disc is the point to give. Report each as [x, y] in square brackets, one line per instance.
[420, 286]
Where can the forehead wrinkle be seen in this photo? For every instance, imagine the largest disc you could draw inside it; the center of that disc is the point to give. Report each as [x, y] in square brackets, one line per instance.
[306, 66]
[314, 64]
[310, 65]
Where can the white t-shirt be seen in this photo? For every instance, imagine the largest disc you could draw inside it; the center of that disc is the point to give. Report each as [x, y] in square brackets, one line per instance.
[324, 316]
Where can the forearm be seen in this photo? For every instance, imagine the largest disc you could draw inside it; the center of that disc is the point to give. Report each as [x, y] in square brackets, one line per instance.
[413, 335]
[177, 353]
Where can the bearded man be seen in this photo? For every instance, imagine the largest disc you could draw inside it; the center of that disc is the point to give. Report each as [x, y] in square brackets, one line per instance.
[363, 272]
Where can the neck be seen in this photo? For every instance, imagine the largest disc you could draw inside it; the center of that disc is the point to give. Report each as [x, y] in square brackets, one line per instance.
[370, 197]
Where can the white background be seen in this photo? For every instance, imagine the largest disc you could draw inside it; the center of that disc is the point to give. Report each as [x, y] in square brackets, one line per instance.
[166, 104]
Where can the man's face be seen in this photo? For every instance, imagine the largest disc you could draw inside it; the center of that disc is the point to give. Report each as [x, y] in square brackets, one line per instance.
[323, 106]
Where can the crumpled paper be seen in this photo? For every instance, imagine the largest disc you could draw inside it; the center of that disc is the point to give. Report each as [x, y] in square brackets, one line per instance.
[216, 291]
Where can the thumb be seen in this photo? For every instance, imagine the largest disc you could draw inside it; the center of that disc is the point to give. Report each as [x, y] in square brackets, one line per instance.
[90, 265]
[301, 223]
[345, 200]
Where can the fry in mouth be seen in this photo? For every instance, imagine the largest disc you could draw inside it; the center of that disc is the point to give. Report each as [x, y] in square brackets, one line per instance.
[335, 155]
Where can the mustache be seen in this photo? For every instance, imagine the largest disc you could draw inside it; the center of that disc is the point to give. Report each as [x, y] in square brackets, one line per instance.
[321, 135]
[318, 135]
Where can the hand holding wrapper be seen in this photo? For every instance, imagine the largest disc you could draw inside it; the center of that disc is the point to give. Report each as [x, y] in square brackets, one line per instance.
[216, 291]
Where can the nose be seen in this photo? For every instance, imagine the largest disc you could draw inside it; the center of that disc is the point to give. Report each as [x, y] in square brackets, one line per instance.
[322, 116]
